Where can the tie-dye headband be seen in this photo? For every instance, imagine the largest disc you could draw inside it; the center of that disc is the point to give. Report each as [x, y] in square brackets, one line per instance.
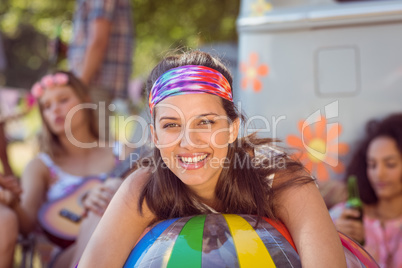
[189, 79]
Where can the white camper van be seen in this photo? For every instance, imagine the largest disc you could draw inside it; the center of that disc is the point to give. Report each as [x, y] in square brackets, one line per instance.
[313, 72]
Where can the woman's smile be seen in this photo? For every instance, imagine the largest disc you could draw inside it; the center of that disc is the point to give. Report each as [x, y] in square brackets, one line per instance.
[192, 161]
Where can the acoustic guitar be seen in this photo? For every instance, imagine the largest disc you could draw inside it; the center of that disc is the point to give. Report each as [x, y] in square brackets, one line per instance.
[61, 218]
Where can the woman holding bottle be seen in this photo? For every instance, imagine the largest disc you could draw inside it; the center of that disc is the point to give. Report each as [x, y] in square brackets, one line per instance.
[377, 165]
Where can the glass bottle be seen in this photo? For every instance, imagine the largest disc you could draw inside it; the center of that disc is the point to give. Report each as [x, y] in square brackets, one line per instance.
[354, 201]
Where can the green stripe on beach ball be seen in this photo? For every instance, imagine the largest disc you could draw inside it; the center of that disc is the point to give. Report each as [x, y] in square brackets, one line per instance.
[187, 251]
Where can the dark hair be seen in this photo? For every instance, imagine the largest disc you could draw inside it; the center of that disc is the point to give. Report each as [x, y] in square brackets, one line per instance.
[49, 142]
[389, 127]
[239, 190]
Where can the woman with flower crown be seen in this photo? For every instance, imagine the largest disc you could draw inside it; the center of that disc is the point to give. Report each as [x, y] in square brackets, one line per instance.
[194, 170]
[71, 154]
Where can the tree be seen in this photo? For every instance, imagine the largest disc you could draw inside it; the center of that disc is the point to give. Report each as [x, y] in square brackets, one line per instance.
[160, 26]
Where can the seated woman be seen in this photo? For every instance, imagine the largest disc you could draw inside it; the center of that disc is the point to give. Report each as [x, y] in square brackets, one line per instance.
[70, 156]
[196, 170]
[377, 164]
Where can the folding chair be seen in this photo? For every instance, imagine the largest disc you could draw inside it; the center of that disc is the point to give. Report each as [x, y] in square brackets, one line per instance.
[27, 244]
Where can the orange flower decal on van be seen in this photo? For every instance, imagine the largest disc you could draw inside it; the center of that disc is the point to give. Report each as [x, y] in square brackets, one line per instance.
[319, 150]
[252, 71]
[260, 7]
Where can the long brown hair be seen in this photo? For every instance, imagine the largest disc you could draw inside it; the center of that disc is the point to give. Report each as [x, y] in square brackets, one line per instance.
[243, 186]
[49, 143]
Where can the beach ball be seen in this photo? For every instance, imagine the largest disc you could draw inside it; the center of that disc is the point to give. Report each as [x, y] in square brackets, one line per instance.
[356, 255]
[225, 240]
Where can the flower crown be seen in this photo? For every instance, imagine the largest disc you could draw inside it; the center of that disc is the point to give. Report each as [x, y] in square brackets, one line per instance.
[48, 81]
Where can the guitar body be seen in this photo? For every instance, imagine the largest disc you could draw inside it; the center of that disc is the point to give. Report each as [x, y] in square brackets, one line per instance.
[61, 218]
[63, 229]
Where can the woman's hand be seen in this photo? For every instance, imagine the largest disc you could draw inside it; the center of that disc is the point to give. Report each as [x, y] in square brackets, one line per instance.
[349, 224]
[99, 197]
[10, 183]
[8, 198]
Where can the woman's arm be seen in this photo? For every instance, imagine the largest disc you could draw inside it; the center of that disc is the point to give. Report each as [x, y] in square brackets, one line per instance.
[34, 185]
[120, 227]
[303, 211]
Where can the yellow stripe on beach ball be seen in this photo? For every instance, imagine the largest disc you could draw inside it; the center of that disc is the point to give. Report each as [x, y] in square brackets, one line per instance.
[251, 251]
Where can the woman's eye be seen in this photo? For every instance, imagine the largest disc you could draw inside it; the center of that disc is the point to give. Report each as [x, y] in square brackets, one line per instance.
[370, 165]
[63, 100]
[170, 125]
[391, 165]
[207, 122]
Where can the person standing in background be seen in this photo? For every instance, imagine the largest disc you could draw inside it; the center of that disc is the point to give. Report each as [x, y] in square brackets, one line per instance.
[100, 52]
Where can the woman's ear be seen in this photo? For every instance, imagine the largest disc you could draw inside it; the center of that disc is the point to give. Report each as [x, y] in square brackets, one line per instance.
[153, 135]
[234, 130]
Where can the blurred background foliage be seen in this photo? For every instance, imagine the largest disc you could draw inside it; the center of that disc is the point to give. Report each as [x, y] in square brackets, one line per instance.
[28, 27]
[160, 27]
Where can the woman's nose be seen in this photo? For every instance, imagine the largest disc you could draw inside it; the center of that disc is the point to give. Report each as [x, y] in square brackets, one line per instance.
[190, 139]
[380, 171]
[55, 108]
[186, 140]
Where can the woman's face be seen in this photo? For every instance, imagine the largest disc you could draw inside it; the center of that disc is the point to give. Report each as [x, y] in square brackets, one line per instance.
[56, 102]
[384, 167]
[192, 133]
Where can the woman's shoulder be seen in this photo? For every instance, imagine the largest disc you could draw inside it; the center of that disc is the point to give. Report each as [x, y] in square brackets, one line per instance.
[132, 188]
[36, 169]
[140, 176]
[38, 164]
[134, 183]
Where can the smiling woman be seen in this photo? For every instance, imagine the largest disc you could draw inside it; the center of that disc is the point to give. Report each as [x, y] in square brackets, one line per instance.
[200, 166]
